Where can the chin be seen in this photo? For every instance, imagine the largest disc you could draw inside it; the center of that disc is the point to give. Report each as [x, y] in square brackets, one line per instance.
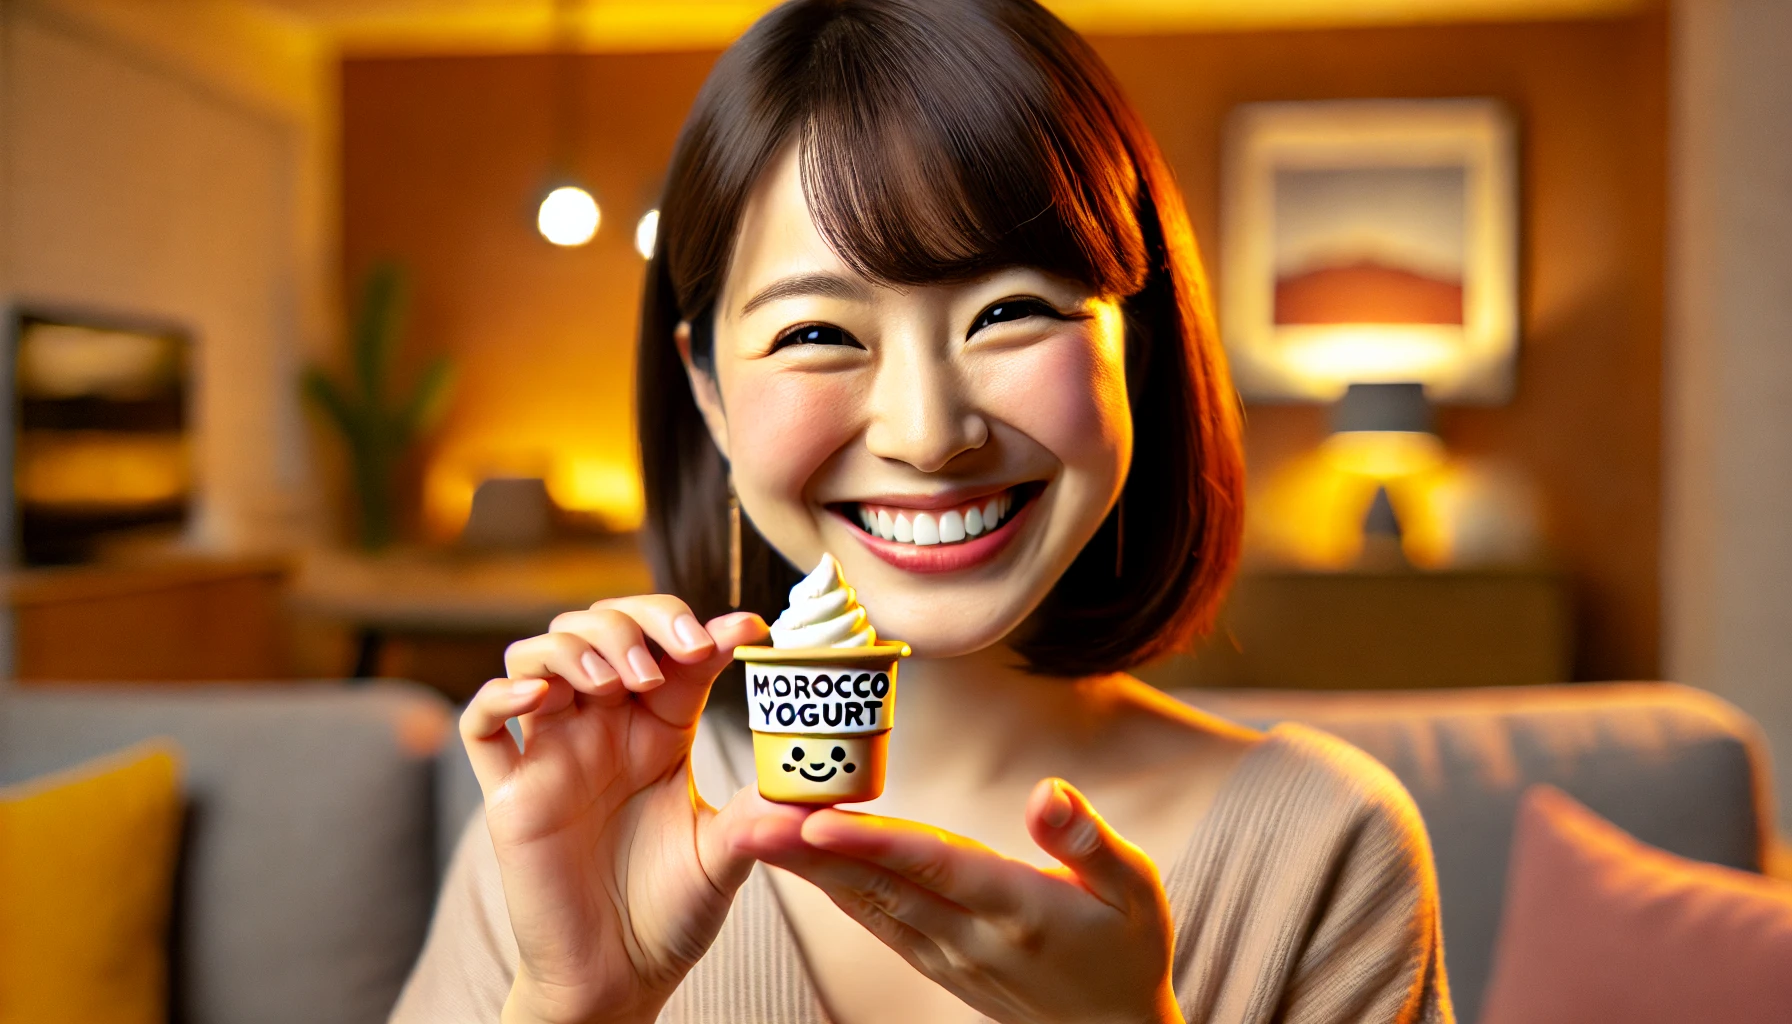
[932, 638]
[943, 620]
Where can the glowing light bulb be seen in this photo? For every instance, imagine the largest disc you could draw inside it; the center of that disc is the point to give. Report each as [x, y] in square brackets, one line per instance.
[568, 216]
[646, 233]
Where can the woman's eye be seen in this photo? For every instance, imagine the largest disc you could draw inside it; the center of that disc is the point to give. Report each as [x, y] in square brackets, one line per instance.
[1013, 309]
[816, 334]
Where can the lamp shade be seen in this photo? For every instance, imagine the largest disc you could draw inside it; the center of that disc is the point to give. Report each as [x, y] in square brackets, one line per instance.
[1383, 431]
[1382, 407]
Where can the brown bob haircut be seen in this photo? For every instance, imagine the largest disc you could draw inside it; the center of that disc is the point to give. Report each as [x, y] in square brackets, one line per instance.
[941, 140]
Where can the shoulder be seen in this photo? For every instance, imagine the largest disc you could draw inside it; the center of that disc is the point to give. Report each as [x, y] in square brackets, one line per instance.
[1320, 858]
[1317, 768]
[1344, 814]
[1374, 935]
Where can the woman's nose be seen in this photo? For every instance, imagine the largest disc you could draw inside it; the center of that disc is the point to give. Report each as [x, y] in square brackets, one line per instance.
[920, 415]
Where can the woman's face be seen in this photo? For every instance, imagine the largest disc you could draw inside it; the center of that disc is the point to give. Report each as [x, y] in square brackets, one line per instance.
[954, 446]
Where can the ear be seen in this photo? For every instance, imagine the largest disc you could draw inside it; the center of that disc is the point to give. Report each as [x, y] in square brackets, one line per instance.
[703, 390]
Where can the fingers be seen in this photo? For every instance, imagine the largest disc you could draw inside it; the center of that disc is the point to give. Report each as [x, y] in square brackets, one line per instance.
[564, 656]
[961, 870]
[597, 651]
[681, 700]
[1064, 825]
[663, 618]
[606, 650]
[870, 893]
[490, 748]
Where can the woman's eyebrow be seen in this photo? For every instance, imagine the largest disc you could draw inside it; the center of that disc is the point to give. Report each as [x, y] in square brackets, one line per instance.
[834, 286]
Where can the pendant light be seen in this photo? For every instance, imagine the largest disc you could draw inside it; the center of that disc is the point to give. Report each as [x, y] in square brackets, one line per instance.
[568, 215]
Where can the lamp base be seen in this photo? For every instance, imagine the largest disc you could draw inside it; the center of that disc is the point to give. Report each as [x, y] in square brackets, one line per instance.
[1382, 547]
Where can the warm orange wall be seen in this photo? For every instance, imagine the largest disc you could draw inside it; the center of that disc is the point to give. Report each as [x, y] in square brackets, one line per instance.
[443, 158]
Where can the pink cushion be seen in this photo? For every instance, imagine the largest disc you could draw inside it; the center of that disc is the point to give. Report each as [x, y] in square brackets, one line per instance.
[1600, 927]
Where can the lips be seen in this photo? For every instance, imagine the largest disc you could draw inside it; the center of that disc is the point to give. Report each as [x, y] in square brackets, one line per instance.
[931, 536]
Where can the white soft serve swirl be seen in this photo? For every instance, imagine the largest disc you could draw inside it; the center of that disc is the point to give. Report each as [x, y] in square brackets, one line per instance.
[823, 612]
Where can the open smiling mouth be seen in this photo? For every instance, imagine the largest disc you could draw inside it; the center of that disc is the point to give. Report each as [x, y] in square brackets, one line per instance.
[832, 771]
[944, 538]
[954, 524]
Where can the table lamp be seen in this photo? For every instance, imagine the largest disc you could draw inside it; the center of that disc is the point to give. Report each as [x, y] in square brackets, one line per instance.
[1383, 431]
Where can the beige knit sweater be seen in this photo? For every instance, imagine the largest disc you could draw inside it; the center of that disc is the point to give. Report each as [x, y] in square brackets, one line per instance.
[1306, 895]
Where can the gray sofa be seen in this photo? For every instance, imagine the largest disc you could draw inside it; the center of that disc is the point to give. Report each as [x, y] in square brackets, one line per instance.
[321, 813]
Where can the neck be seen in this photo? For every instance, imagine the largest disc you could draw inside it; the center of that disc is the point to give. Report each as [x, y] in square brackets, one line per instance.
[979, 717]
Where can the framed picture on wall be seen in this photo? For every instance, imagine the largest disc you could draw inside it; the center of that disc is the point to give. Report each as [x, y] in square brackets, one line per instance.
[1370, 241]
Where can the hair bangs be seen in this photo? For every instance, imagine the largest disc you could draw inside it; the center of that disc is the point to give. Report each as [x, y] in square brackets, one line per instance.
[930, 156]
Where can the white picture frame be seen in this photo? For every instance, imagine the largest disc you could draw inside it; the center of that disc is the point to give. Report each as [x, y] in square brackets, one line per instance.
[1370, 241]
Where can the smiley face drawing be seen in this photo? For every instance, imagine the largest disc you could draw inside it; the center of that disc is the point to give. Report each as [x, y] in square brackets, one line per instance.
[820, 770]
[813, 770]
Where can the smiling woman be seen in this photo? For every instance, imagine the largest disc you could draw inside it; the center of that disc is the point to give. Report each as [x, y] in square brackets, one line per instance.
[1038, 164]
[924, 300]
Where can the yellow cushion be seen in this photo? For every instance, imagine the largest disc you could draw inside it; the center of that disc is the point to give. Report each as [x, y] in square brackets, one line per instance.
[86, 882]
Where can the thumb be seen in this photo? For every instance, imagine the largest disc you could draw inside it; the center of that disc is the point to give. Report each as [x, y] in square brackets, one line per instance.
[1064, 825]
[731, 839]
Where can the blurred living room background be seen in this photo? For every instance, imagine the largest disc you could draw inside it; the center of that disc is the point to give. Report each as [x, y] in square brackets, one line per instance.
[321, 317]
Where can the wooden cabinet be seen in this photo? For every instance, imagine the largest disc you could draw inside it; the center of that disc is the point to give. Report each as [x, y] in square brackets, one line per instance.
[171, 621]
[1384, 630]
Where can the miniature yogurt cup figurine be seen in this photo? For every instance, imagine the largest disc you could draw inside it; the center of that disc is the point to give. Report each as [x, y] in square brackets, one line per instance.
[822, 698]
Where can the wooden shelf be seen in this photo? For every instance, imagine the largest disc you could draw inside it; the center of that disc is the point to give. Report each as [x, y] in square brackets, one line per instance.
[1384, 630]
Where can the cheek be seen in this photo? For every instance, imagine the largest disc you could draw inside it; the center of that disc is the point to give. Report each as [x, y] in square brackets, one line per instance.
[1070, 397]
[783, 427]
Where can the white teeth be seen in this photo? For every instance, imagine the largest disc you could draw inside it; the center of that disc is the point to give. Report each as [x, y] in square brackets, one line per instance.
[927, 529]
[951, 528]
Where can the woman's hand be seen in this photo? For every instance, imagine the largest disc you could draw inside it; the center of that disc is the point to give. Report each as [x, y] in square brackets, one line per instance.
[616, 874]
[1087, 942]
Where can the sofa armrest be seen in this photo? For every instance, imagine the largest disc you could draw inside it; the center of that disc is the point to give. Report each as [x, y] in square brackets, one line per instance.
[1676, 767]
[307, 872]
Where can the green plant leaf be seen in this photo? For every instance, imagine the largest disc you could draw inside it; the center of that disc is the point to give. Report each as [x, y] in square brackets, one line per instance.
[429, 399]
[324, 393]
[377, 329]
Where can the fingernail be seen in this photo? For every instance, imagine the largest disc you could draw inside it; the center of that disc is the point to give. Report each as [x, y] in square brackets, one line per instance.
[597, 669]
[1057, 806]
[642, 663]
[690, 633]
[527, 687]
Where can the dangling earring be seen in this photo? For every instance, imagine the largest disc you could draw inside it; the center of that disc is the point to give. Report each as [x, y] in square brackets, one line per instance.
[1119, 533]
[733, 548]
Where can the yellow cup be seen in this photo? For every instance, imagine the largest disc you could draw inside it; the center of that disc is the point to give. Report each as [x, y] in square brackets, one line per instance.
[821, 719]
